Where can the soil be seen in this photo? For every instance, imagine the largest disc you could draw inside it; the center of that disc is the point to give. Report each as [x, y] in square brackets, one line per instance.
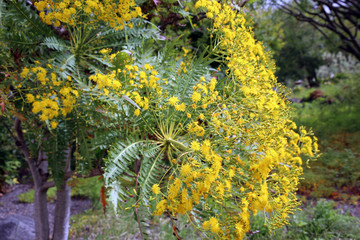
[10, 205]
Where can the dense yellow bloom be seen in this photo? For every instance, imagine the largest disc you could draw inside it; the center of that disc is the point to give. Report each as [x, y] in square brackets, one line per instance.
[212, 224]
[185, 170]
[174, 189]
[180, 107]
[54, 124]
[30, 98]
[24, 72]
[115, 13]
[173, 101]
[195, 97]
[160, 207]
[55, 99]
[235, 146]
[195, 145]
[155, 188]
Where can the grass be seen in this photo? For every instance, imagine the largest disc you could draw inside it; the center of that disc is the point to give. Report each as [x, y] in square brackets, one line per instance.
[330, 119]
[94, 224]
[79, 188]
[336, 174]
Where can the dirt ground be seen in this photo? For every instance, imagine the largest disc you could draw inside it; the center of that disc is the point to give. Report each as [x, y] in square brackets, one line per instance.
[10, 205]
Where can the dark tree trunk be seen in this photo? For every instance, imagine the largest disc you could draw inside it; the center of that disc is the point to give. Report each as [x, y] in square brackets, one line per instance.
[41, 216]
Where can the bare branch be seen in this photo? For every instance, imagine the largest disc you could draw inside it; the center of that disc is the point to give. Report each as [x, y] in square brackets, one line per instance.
[338, 16]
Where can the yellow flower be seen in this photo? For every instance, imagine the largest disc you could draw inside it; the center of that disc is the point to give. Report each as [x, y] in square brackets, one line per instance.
[173, 101]
[137, 112]
[195, 145]
[155, 188]
[148, 66]
[209, 15]
[24, 72]
[180, 107]
[54, 124]
[174, 189]
[160, 207]
[214, 225]
[30, 98]
[195, 97]
[185, 170]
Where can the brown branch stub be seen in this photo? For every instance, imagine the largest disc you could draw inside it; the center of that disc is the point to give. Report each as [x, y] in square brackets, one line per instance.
[243, 3]
[174, 228]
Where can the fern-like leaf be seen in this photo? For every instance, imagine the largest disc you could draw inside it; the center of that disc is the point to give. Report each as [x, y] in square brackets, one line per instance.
[26, 30]
[120, 157]
[151, 169]
[55, 44]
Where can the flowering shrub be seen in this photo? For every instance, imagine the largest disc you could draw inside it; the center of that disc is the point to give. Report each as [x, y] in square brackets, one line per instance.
[231, 149]
[215, 145]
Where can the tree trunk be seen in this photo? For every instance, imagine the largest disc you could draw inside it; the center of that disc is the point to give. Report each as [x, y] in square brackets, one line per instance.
[41, 216]
[63, 203]
[62, 213]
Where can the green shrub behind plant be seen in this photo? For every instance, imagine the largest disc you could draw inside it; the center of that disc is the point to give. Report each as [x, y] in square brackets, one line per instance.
[341, 115]
[319, 222]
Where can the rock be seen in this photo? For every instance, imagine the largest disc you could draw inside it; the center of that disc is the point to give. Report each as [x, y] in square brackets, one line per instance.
[316, 94]
[17, 227]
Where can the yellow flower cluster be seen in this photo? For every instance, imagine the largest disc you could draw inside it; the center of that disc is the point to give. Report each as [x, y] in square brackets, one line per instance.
[114, 13]
[107, 82]
[54, 97]
[135, 80]
[243, 150]
[252, 119]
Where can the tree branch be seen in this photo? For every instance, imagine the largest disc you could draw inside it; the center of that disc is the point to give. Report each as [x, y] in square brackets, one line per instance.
[339, 17]
[8, 129]
[50, 184]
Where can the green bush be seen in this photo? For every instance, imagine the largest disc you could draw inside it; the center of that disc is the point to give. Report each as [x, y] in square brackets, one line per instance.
[342, 115]
[10, 156]
[337, 126]
[319, 222]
